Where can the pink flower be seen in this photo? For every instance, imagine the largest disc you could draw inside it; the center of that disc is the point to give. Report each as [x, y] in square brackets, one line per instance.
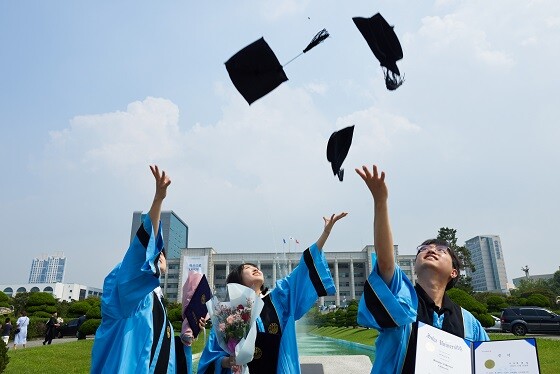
[230, 319]
[222, 326]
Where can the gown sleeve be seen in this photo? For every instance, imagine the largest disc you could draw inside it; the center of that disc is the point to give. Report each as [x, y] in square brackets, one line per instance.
[138, 274]
[387, 306]
[211, 359]
[310, 279]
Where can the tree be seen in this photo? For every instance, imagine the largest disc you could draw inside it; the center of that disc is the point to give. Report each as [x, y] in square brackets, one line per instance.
[555, 283]
[468, 302]
[41, 304]
[20, 302]
[465, 283]
[352, 314]
[450, 235]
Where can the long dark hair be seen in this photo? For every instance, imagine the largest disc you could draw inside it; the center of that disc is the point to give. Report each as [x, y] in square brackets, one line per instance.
[235, 275]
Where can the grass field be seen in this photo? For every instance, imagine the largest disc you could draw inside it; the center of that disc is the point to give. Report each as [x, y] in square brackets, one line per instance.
[548, 349]
[72, 357]
[75, 356]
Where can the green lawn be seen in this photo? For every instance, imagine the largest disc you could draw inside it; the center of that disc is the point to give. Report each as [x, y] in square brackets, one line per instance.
[72, 357]
[75, 356]
[548, 349]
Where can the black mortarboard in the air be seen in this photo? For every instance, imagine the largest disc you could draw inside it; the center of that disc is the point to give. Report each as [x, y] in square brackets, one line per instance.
[255, 70]
[384, 44]
[337, 149]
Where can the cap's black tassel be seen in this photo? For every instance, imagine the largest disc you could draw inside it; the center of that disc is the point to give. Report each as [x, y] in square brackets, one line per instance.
[392, 80]
[340, 174]
[318, 38]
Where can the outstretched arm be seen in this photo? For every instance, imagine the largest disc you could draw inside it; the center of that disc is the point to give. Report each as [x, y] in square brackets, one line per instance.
[162, 182]
[382, 236]
[329, 223]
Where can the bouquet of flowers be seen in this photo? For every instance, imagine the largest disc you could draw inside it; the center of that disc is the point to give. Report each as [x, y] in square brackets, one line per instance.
[234, 322]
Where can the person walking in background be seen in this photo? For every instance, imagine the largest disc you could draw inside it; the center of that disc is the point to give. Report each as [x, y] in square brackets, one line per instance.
[393, 306]
[135, 335]
[52, 324]
[20, 337]
[6, 330]
[81, 321]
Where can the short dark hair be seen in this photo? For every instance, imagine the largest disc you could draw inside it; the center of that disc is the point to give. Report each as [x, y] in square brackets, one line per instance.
[455, 262]
[235, 275]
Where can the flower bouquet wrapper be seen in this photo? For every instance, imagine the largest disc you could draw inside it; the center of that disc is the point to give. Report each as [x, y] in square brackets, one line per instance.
[226, 317]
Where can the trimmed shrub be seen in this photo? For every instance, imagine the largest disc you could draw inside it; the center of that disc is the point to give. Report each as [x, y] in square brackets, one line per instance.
[37, 326]
[175, 315]
[4, 300]
[538, 300]
[78, 308]
[94, 312]
[177, 326]
[40, 298]
[486, 320]
[89, 327]
[466, 301]
[4, 359]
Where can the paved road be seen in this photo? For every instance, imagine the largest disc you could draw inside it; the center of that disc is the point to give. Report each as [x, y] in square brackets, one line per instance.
[38, 342]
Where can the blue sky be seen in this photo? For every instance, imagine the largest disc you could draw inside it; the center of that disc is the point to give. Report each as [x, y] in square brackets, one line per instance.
[91, 93]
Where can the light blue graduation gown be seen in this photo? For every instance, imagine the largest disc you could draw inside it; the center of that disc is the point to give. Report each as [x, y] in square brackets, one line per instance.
[394, 312]
[125, 340]
[292, 297]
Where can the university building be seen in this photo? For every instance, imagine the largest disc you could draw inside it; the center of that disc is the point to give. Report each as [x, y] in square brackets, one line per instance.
[490, 268]
[348, 269]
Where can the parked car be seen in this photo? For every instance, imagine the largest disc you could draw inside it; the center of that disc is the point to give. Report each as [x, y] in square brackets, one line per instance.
[532, 319]
[70, 328]
[497, 325]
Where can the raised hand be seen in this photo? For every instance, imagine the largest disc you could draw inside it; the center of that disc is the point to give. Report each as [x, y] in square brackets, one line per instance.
[162, 182]
[375, 182]
[329, 222]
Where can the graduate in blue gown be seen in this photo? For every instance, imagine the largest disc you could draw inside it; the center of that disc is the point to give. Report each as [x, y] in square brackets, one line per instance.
[135, 335]
[393, 306]
[293, 296]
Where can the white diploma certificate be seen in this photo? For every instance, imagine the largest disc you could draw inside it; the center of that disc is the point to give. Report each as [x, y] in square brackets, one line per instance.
[438, 351]
[506, 357]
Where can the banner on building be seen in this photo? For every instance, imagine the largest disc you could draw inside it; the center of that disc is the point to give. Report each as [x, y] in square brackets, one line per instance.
[195, 263]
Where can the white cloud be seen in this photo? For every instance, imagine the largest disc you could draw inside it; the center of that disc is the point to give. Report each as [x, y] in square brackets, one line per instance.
[453, 34]
[318, 88]
[146, 130]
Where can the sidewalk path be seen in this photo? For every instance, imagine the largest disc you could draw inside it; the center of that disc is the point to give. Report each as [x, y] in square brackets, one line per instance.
[39, 342]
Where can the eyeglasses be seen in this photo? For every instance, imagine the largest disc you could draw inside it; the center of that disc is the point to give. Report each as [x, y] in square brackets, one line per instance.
[438, 248]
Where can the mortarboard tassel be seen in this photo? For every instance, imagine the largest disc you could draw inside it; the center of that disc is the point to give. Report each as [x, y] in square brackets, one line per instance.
[392, 80]
[317, 39]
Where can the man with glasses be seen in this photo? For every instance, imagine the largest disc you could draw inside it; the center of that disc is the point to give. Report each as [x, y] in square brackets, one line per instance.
[393, 306]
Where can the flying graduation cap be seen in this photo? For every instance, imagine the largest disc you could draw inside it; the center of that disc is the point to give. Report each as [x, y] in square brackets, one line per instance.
[385, 45]
[337, 149]
[255, 71]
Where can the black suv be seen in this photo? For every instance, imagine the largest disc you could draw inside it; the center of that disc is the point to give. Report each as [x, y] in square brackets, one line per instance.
[523, 319]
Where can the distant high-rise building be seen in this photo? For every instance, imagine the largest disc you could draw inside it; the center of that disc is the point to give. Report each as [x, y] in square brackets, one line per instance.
[175, 232]
[48, 269]
[488, 259]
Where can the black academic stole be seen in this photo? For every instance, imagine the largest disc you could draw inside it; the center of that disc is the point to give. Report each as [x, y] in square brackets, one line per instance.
[159, 321]
[452, 323]
[267, 343]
